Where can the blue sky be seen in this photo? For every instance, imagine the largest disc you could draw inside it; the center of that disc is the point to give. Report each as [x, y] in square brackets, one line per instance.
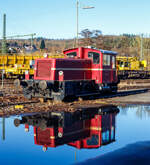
[57, 18]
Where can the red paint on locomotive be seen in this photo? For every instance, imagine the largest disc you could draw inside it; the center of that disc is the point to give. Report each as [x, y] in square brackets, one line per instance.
[87, 128]
[101, 73]
[91, 133]
[73, 69]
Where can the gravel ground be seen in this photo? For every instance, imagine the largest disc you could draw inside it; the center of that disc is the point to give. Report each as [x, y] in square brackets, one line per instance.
[12, 97]
[142, 98]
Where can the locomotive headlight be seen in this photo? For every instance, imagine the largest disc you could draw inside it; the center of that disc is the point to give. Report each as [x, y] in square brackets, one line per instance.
[60, 135]
[45, 55]
[44, 148]
[26, 129]
[61, 73]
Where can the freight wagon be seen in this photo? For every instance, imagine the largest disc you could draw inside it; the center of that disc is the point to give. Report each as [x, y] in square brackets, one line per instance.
[132, 68]
[16, 65]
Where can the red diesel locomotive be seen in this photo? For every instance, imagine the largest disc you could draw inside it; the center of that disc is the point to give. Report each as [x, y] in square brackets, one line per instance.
[83, 72]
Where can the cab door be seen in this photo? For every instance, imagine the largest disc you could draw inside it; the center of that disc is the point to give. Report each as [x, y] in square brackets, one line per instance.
[114, 70]
[95, 56]
[107, 69]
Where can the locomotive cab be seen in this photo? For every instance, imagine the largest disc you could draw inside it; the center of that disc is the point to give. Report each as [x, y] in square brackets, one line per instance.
[82, 72]
[103, 64]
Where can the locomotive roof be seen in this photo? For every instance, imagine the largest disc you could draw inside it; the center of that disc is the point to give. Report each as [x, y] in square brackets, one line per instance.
[101, 50]
[108, 52]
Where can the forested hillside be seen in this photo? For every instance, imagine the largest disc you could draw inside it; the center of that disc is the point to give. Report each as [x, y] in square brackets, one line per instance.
[125, 44]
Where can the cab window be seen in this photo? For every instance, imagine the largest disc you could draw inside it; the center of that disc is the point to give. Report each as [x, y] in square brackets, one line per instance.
[94, 140]
[106, 60]
[72, 54]
[105, 137]
[113, 62]
[95, 56]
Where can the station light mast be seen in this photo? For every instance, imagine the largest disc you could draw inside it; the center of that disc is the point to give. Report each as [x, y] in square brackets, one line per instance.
[77, 12]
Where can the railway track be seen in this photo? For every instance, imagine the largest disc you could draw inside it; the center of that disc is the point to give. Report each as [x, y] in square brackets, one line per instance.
[7, 82]
[7, 108]
[118, 94]
[126, 93]
[14, 97]
[18, 103]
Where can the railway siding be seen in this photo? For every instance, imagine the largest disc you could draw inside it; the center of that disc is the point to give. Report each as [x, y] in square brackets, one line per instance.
[12, 97]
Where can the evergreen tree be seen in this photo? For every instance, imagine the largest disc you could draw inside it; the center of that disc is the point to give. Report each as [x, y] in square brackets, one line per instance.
[42, 46]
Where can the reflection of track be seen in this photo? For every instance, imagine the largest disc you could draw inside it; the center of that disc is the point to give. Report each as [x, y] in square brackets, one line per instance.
[119, 93]
[7, 81]
[126, 93]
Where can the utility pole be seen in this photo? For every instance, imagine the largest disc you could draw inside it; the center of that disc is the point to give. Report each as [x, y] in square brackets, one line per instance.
[141, 54]
[3, 46]
[77, 39]
[77, 6]
[3, 128]
[32, 39]
[4, 35]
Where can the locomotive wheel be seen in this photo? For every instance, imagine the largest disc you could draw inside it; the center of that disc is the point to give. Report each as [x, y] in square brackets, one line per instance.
[17, 122]
[43, 126]
[58, 98]
[42, 85]
[17, 83]
[27, 94]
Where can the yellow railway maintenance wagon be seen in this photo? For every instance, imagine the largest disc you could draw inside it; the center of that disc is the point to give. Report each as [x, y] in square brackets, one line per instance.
[15, 66]
[131, 67]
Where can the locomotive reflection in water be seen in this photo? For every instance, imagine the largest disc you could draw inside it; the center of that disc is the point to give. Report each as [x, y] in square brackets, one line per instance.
[90, 128]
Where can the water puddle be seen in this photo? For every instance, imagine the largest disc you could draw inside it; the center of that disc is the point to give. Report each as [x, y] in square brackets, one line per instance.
[72, 137]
